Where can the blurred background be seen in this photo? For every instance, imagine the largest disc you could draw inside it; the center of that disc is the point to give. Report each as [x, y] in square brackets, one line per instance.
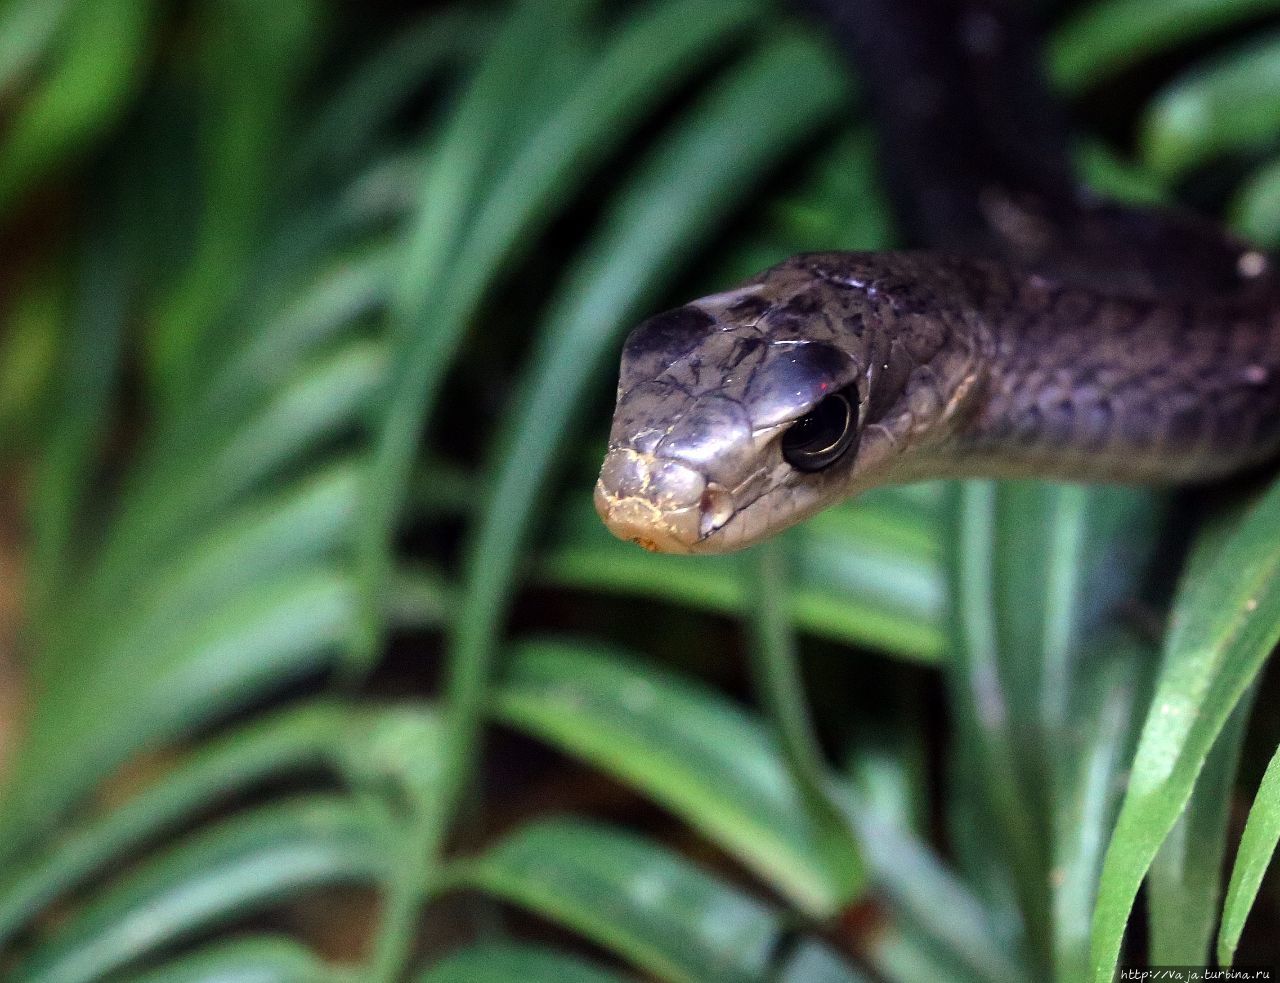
[315, 661]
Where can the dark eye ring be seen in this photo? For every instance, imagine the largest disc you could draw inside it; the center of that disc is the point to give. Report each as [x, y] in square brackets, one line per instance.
[822, 436]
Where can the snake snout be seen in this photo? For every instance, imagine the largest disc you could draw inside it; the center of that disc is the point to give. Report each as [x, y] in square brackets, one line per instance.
[658, 503]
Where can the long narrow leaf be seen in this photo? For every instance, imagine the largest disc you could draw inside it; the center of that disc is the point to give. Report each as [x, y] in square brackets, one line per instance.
[1039, 570]
[504, 962]
[1225, 623]
[303, 527]
[27, 32]
[352, 119]
[1108, 35]
[252, 61]
[376, 750]
[1230, 106]
[99, 69]
[938, 904]
[1185, 882]
[780, 689]
[261, 959]
[182, 497]
[1010, 796]
[87, 727]
[690, 749]
[1096, 748]
[1257, 847]
[1255, 213]
[633, 897]
[242, 865]
[88, 374]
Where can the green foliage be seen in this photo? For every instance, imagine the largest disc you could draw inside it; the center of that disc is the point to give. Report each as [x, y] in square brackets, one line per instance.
[632, 896]
[708, 762]
[1224, 624]
[1230, 106]
[1038, 570]
[1257, 845]
[311, 363]
[95, 55]
[502, 962]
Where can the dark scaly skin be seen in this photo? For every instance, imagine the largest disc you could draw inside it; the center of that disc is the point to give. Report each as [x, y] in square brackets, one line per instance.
[961, 367]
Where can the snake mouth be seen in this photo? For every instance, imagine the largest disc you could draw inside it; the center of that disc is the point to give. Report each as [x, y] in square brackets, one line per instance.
[657, 503]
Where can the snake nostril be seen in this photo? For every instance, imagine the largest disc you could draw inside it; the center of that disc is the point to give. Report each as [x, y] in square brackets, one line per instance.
[715, 507]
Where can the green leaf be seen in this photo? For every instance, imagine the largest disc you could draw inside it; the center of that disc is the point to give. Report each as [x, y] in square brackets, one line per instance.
[633, 897]
[779, 688]
[1097, 745]
[718, 769]
[840, 204]
[363, 107]
[293, 530]
[649, 57]
[1255, 212]
[814, 962]
[938, 908]
[1038, 569]
[1257, 846]
[690, 749]
[1231, 105]
[333, 301]
[223, 873]
[1185, 882]
[385, 749]
[425, 336]
[183, 494]
[1119, 178]
[504, 962]
[871, 573]
[322, 401]
[87, 376]
[31, 356]
[1225, 622]
[992, 723]
[255, 959]
[252, 61]
[292, 740]
[1109, 35]
[419, 598]
[28, 32]
[101, 58]
[283, 344]
[85, 726]
[886, 763]
[903, 954]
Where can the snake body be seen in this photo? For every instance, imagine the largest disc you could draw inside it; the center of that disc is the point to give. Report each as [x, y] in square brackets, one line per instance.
[1139, 361]
[957, 367]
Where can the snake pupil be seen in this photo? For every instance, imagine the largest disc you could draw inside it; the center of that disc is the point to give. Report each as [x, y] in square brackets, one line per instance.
[821, 436]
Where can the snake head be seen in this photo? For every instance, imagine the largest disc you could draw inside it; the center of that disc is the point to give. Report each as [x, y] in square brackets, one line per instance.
[744, 412]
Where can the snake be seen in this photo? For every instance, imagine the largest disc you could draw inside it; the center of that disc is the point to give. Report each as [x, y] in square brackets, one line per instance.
[1041, 332]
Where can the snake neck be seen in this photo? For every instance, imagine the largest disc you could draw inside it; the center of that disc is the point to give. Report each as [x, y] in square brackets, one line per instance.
[1088, 386]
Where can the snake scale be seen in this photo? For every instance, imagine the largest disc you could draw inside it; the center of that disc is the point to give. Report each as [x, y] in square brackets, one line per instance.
[1045, 334]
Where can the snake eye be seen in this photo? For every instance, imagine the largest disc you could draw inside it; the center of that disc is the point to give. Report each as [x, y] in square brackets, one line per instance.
[820, 437]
